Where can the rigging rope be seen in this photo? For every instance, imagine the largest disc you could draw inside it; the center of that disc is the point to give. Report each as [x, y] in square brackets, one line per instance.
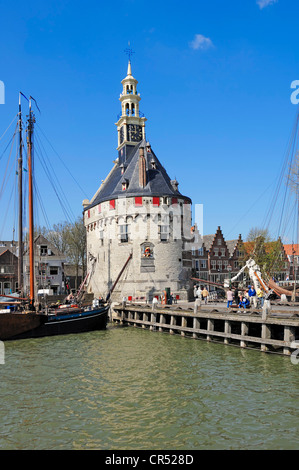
[5, 180]
[8, 127]
[83, 192]
[56, 186]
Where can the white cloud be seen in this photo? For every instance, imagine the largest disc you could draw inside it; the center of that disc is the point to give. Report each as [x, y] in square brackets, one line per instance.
[265, 3]
[200, 42]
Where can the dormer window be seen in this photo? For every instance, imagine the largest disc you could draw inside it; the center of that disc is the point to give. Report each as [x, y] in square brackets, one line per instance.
[153, 165]
[124, 184]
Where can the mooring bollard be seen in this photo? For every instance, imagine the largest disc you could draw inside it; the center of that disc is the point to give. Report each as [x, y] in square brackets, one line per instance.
[197, 305]
[266, 309]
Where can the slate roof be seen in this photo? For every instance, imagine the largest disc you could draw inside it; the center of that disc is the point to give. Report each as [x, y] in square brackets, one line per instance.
[158, 181]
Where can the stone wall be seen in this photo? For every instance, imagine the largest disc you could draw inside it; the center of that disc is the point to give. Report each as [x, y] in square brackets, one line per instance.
[155, 264]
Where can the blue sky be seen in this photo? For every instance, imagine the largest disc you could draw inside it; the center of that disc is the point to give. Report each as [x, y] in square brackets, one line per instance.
[214, 79]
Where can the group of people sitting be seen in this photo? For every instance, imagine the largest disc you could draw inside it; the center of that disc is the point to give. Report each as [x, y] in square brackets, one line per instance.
[247, 298]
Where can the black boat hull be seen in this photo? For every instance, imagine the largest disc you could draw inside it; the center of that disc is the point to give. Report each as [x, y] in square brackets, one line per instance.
[70, 322]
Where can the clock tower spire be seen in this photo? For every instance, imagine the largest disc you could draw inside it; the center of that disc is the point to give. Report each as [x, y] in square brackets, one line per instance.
[131, 122]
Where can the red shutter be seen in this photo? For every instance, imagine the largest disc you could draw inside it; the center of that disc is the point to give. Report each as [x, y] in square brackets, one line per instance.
[156, 201]
[174, 200]
[88, 213]
[138, 201]
[99, 208]
[112, 204]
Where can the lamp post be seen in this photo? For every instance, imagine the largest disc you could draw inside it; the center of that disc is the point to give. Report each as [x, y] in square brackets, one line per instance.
[229, 268]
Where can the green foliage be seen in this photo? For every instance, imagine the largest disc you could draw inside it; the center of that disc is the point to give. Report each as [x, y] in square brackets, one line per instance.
[268, 254]
[69, 239]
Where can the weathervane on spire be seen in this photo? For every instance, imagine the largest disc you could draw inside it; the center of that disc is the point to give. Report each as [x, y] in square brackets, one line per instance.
[129, 51]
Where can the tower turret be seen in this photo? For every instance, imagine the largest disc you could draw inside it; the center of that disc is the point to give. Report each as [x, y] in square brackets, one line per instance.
[131, 122]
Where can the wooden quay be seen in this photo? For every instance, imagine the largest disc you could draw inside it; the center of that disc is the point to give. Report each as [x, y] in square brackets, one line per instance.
[275, 332]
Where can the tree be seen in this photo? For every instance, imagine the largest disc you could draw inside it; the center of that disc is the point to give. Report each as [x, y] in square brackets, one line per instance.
[69, 239]
[76, 245]
[267, 253]
[258, 233]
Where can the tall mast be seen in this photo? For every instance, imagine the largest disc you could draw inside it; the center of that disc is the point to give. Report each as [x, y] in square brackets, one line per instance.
[31, 121]
[20, 190]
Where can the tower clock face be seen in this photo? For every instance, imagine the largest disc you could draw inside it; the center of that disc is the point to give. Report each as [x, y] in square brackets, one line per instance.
[134, 133]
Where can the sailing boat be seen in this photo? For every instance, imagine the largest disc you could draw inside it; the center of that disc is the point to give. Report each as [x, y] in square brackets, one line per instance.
[27, 321]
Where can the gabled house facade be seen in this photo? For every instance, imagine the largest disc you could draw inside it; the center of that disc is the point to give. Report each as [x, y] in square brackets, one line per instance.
[8, 270]
[215, 259]
[49, 267]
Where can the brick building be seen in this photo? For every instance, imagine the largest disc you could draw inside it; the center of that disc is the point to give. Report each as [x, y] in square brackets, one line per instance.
[214, 259]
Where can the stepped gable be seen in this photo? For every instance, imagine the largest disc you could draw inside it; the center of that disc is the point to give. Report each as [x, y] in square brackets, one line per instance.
[158, 183]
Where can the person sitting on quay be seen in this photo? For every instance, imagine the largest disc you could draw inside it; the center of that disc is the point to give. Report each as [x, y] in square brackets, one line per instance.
[244, 302]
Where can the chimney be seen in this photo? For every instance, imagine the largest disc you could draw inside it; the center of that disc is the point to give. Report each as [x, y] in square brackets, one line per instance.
[142, 168]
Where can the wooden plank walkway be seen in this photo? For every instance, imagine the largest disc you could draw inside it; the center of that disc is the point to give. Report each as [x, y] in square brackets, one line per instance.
[276, 333]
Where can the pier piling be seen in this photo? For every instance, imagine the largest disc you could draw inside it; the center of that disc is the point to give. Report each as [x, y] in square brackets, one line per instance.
[251, 329]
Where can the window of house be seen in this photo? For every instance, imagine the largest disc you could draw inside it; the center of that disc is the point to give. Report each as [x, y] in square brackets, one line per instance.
[6, 287]
[225, 263]
[216, 253]
[123, 233]
[163, 232]
[54, 270]
[219, 265]
[43, 250]
[236, 264]
[219, 241]
[222, 251]
[42, 269]
[200, 251]
[213, 263]
[203, 263]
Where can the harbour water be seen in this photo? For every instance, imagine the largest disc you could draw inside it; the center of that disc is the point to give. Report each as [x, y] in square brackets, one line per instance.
[127, 388]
